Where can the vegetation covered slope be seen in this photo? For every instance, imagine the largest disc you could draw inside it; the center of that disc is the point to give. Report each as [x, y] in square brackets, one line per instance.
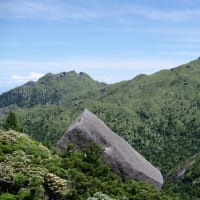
[30, 171]
[159, 115]
[50, 89]
[27, 169]
[184, 180]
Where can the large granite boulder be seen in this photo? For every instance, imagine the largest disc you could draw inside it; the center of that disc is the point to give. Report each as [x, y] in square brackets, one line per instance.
[125, 160]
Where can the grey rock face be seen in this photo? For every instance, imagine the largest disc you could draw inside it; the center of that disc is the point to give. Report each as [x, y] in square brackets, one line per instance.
[4, 111]
[125, 160]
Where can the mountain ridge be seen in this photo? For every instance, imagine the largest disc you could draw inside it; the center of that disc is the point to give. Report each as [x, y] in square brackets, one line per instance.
[50, 89]
[158, 112]
[148, 111]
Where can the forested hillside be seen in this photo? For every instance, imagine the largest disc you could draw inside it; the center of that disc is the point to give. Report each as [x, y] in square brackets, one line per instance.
[30, 171]
[50, 89]
[159, 114]
[184, 179]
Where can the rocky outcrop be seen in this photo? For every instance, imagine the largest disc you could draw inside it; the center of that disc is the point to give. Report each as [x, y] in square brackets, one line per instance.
[125, 160]
[4, 111]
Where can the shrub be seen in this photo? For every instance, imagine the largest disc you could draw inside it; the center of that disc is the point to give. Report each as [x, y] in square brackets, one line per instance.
[20, 179]
[24, 194]
[7, 196]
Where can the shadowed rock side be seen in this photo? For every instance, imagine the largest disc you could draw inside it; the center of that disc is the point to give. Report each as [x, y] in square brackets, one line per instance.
[124, 160]
[4, 111]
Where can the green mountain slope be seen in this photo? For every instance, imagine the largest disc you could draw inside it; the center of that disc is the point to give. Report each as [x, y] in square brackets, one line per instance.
[159, 114]
[50, 89]
[184, 180]
[30, 171]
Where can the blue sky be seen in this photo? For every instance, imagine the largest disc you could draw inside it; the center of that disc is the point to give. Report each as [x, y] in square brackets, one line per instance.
[111, 40]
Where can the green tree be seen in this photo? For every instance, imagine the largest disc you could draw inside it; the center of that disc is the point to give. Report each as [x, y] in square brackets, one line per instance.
[12, 123]
[24, 194]
[20, 179]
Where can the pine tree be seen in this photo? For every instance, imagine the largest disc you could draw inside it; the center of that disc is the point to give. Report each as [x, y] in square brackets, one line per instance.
[12, 123]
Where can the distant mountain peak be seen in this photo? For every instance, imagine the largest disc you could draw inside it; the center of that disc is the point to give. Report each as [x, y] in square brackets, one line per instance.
[46, 76]
[50, 89]
[68, 74]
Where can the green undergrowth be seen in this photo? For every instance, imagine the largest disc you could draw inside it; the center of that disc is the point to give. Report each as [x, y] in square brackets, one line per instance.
[28, 170]
[184, 180]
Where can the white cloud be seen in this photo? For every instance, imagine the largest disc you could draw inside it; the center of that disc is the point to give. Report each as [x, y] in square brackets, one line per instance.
[46, 9]
[82, 10]
[164, 15]
[91, 63]
[107, 79]
[17, 79]
[94, 65]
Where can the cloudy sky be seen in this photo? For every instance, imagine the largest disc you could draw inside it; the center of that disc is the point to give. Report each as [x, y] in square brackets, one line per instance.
[111, 40]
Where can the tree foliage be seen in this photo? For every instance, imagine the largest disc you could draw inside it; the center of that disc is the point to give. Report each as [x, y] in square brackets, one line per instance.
[34, 172]
[12, 123]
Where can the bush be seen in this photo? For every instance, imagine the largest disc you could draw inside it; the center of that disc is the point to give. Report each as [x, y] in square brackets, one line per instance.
[24, 194]
[100, 196]
[7, 196]
[20, 179]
